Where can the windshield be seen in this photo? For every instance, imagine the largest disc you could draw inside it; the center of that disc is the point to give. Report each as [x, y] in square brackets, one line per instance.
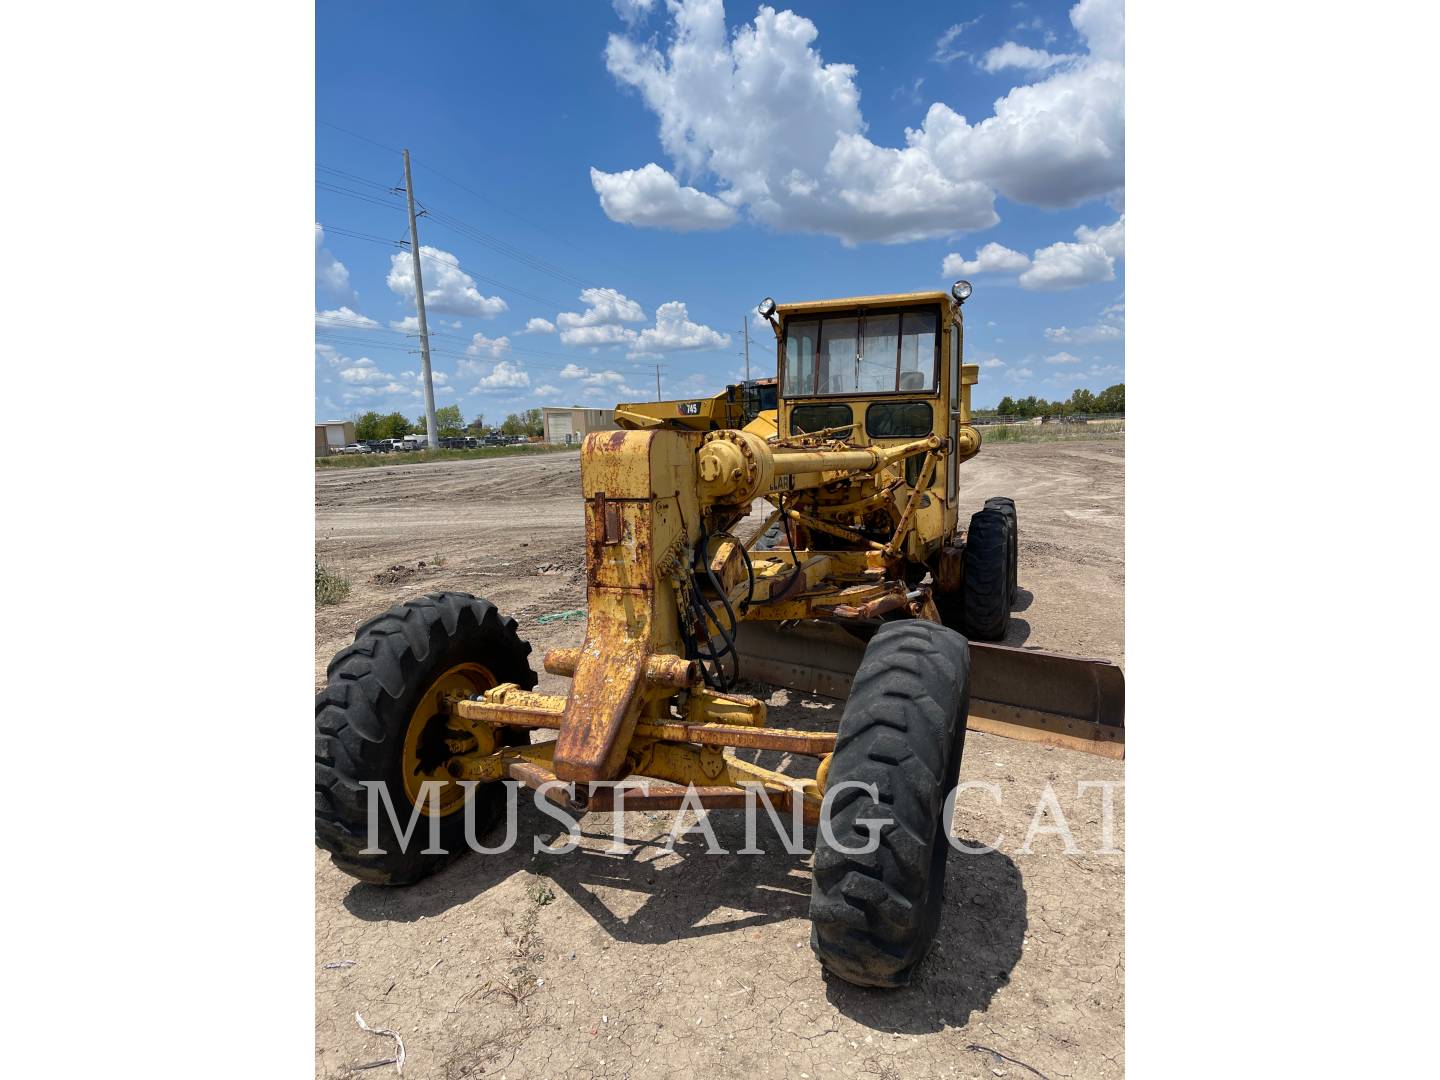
[875, 353]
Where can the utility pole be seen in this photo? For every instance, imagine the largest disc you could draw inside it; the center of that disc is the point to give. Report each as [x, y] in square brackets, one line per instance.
[432, 428]
[746, 335]
[657, 382]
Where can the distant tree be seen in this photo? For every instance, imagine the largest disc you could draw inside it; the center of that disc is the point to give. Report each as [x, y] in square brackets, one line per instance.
[394, 426]
[1082, 401]
[534, 424]
[477, 426]
[513, 424]
[449, 420]
[368, 427]
[1006, 406]
[1111, 399]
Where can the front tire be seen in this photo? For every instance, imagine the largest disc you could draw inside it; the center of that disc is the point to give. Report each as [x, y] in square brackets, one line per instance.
[874, 916]
[1006, 506]
[985, 590]
[376, 720]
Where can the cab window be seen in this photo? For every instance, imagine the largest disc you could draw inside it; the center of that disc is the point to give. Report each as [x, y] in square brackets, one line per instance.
[899, 419]
[872, 353]
[808, 418]
[800, 342]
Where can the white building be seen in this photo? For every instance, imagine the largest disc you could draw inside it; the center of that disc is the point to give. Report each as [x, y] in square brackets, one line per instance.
[569, 426]
[332, 436]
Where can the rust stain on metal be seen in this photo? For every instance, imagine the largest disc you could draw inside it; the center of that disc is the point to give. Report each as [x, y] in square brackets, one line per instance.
[661, 669]
[808, 743]
[606, 695]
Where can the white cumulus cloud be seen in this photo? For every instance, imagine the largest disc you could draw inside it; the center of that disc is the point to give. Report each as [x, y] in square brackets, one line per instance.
[992, 258]
[632, 11]
[1057, 142]
[448, 289]
[651, 196]
[343, 318]
[1110, 326]
[674, 332]
[539, 326]
[592, 378]
[1012, 55]
[504, 375]
[331, 276]
[363, 371]
[1062, 358]
[1068, 266]
[602, 321]
[1109, 237]
[1063, 265]
[480, 345]
[603, 307]
[607, 311]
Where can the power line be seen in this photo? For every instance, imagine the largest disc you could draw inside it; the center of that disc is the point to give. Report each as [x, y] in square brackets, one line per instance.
[356, 135]
[518, 217]
[460, 226]
[510, 251]
[360, 195]
[405, 245]
[524, 358]
[355, 177]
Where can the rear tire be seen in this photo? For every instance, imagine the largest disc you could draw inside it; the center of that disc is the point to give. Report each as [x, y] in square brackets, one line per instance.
[376, 693]
[874, 916]
[1006, 506]
[985, 591]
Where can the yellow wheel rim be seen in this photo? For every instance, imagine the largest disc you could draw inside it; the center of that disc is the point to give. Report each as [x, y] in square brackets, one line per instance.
[425, 750]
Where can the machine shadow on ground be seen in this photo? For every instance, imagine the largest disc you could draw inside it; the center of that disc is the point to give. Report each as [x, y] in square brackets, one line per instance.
[982, 933]
[692, 894]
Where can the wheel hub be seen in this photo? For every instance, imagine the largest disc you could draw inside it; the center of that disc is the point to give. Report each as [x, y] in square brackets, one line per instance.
[429, 734]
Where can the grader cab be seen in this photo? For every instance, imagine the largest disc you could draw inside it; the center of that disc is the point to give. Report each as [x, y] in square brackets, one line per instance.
[859, 584]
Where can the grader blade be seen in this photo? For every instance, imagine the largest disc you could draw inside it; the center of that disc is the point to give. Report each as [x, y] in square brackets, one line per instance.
[1027, 694]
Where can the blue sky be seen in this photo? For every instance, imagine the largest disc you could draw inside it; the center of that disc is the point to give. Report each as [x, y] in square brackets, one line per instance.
[614, 186]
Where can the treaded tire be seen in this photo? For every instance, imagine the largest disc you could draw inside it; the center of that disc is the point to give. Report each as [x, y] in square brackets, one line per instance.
[361, 717]
[1006, 506]
[773, 538]
[874, 916]
[985, 591]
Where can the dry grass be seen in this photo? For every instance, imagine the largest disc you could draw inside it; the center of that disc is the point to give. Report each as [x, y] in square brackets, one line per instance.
[417, 457]
[330, 587]
[1027, 433]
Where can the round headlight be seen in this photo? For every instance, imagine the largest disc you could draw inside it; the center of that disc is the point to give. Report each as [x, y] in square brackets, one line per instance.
[961, 291]
[767, 308]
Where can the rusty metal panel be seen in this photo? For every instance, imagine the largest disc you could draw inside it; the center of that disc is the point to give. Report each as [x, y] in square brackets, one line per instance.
[605, 693]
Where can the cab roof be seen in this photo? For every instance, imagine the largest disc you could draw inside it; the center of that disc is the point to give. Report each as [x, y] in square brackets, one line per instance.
[881, 300]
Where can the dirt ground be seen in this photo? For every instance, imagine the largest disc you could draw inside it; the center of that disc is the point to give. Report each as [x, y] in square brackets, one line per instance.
[658, 963]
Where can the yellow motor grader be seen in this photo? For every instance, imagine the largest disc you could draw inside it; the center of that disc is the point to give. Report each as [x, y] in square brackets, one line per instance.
[735, 406]
[859, 584]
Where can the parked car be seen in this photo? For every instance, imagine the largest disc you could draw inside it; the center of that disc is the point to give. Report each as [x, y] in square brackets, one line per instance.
[356, 448]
